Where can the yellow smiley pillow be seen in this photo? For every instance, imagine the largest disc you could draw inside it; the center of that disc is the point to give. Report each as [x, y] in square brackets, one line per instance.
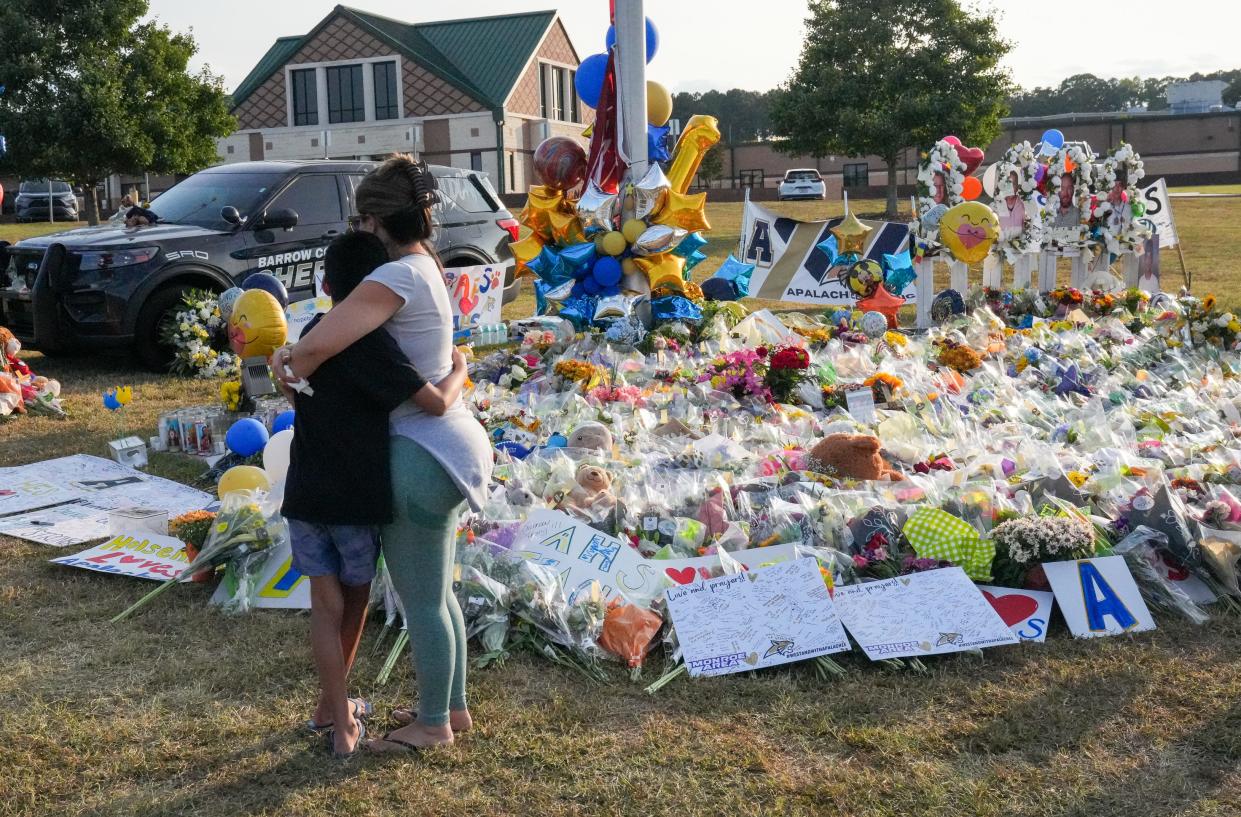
[968, 231]
[257, 326]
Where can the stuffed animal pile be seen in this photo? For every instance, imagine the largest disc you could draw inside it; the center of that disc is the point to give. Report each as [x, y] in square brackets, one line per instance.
[21, 390]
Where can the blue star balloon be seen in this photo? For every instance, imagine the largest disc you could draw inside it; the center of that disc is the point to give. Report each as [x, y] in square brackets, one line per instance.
[898, 272]
[549, 266]
[675, 308]
[657, 143]
[830, 248]
[689, 245]
[577, 258]
[694, 259]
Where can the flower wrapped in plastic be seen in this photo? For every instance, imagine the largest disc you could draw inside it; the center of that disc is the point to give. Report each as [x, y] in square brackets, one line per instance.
[245, 531]
[1143, 550]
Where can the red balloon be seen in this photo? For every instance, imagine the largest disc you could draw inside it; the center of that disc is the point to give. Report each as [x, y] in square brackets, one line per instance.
[883, 302]
[971, 188]
[560, 163]
[952, 140]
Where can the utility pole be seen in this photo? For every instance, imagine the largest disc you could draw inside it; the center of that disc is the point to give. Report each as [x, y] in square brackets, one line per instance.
[631, 85]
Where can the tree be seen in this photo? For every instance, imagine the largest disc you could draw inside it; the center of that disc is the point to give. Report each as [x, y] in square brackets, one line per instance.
[712, 165]
[91, 90]
[744, 115]
[879, 77]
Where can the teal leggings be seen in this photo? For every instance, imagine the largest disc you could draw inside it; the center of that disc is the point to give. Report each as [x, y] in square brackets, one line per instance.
[420, 552]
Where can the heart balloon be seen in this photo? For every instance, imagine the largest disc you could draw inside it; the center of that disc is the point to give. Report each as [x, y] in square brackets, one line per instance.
[972, 157]
[968, 231]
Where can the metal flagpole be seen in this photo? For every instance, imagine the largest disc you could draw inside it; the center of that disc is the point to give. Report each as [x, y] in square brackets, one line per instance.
[631, 84]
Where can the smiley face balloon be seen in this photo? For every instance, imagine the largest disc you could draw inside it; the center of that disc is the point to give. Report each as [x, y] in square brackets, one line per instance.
[968, 231]
[257, 326]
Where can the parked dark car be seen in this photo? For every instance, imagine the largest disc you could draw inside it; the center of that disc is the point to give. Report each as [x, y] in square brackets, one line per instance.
[116, 286]
[36, 196]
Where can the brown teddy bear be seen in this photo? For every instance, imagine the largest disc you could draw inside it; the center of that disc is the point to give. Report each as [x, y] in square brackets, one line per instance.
[851, 456]
[592, 496]
[593, 437]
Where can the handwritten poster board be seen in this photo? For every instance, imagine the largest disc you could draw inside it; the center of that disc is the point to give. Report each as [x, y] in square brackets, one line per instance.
[762, 618]
[298, 315]
[1098, 597]
[141, 556]
[1026, 612]
[931, 613]
[476, 294]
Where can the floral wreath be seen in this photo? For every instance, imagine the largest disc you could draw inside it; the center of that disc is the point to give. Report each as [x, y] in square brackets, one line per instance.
[942, 158]
[1020, 159]
[194, 334]
[1123, 162]
[1081, 156]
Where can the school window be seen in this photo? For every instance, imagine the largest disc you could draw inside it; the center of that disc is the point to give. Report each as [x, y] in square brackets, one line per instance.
[544, 85]
[857, 175]
[305, 97]
[575, 112]
[558, 77]
[385, 91]
[345, 99]
[476, 160]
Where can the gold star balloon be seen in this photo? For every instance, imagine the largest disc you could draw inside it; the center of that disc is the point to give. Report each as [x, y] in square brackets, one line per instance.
[851, 235]
[525, 251]
[664, 271]
[566, 229]
[684, 210]
[541, 202]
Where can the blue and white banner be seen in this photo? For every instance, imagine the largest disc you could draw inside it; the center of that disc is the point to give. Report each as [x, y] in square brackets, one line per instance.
[789, 266]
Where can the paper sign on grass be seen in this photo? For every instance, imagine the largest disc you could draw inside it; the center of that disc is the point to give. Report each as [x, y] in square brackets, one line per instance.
[280, 585]
[939, 611]
[158, 558]
[1026, 612]
[762, 618]
[1098, 597]
[476, 294]
[696, 568]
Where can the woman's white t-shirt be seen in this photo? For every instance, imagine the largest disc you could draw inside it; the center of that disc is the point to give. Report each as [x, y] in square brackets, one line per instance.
[422, 327]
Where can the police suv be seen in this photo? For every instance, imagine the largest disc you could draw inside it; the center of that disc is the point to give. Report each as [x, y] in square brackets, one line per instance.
[116, 286]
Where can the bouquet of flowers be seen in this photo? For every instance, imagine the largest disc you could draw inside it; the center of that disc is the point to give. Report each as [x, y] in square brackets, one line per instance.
[787, 368]
[958, 356]
[1024, 543]
[197, 334]
[247, 527]
[580, 371]
[192, 529]
[742, 373]
[884, 386]
[1206, 325]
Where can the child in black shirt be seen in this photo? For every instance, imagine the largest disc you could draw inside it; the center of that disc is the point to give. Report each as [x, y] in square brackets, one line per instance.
[338, 490]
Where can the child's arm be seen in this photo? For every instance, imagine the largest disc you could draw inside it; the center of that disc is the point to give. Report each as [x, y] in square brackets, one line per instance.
[439, 397]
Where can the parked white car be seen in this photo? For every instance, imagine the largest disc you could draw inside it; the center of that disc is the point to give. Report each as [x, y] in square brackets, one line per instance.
[802, 183]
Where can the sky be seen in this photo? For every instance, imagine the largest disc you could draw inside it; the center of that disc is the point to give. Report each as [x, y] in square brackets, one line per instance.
[725, 44]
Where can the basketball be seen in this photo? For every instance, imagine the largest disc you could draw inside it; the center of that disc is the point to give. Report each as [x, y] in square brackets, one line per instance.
[560, 163]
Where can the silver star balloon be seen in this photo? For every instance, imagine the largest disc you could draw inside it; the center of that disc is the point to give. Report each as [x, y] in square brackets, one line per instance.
[650, 193]
[597, 209]
[614, 306]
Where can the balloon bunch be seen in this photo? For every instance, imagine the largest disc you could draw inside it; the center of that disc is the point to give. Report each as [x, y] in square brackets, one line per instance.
[947, 205]
[255, 315]
[601, 243]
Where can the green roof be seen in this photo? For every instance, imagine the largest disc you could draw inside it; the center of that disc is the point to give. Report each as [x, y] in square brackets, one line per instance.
[276, 56]
[483, 56]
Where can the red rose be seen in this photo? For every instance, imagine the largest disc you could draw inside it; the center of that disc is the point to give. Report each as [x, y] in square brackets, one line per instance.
[761, 351]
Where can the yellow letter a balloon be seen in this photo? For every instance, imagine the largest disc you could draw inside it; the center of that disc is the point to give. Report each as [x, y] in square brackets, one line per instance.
[257, 326]
[968, 231]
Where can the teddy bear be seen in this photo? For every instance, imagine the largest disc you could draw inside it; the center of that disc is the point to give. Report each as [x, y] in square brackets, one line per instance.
[851, 456]
[592, 497]
[592, 436]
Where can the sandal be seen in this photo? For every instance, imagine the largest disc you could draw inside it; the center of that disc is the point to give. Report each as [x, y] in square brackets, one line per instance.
[357, 744]
[361, 711]
[405, 715]
[405, 745]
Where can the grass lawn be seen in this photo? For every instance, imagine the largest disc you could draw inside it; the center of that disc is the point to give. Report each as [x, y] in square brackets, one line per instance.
[13, 232]
[184, 711]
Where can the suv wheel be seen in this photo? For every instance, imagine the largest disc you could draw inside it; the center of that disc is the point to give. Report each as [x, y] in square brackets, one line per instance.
[158, 310]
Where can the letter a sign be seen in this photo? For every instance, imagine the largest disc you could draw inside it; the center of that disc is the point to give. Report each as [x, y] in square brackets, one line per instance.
[1098, 597]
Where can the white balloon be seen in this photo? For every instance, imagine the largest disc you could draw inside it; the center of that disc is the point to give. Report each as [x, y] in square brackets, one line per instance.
[228, 298]
[989, 177]
[277, 455]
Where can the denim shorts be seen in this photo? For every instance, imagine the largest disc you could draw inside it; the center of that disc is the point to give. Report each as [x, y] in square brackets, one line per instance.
[348, 552]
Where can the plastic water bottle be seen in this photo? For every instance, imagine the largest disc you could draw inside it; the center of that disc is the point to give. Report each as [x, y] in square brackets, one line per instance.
[503, 327]
[489, 333]
[480, 334]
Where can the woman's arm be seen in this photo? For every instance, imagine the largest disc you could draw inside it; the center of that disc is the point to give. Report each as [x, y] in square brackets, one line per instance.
[367, 308]
[438, 398]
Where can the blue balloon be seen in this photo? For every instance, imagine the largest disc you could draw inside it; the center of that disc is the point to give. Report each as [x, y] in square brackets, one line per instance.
[110, 402]
[694, 259]
[607, 271]
[829, 247]
[558, 440]
[689, 245]
[228, 299]
[541, 288]
[657, 143]
[1054, 138]
[283, 421]
[268, 283]
[608, 292]
[246, 437]
[589, 80]
[516, 450]
[652, 39]
[549, 266]
[577, 258]
[590, 286]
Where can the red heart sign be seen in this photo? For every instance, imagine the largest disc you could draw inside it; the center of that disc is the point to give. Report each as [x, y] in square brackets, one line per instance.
[682, 576]
[1013, 608]
[972, 157]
